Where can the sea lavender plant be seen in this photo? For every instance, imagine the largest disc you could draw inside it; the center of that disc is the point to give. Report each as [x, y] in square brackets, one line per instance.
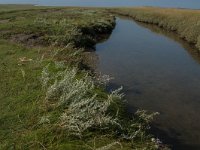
[109, 146]
[103, 79]
[83, 108]
[87, 113]
[45, 76]
[137, 127]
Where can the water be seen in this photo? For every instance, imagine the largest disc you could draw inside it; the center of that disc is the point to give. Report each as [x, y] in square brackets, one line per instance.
[194, 4]
[159, 72]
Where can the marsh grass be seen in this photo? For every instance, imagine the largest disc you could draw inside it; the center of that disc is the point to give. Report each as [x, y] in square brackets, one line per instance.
[48, 100]
[63, 26]
[185, 22]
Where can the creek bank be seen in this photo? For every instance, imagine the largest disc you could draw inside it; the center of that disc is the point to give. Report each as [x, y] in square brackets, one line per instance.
[184, 22]
[66, 107]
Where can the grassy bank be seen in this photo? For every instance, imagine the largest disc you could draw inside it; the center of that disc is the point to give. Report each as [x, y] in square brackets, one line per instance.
[49, 99]
[182, 21]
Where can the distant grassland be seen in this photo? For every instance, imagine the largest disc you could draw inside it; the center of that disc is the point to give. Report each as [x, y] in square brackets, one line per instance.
[12, 7]
[185, 22]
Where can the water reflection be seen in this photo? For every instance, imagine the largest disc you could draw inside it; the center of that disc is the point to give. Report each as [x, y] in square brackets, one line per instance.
[191, 49]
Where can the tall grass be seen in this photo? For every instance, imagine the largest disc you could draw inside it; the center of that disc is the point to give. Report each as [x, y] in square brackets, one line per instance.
[186, 23]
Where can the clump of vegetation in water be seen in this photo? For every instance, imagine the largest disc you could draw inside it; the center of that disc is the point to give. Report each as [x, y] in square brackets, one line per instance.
[48, 99]
[184, 22]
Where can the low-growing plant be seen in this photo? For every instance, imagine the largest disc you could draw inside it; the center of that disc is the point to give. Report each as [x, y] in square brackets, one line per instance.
[83, 110]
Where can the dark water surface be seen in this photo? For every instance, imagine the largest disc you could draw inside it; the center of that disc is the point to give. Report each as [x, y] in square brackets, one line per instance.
[194, 4]
[159, 72]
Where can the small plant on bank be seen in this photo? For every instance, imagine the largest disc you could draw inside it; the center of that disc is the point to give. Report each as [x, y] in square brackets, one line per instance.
[83, 109]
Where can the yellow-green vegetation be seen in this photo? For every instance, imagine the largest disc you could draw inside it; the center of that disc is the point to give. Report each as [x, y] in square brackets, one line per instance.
[13, 7]
[49, 100]
[185, 22]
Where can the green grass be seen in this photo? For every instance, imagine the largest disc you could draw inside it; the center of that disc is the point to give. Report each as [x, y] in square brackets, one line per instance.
[30, 39]
[184, 22]
[63, 26]
[19, 95]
